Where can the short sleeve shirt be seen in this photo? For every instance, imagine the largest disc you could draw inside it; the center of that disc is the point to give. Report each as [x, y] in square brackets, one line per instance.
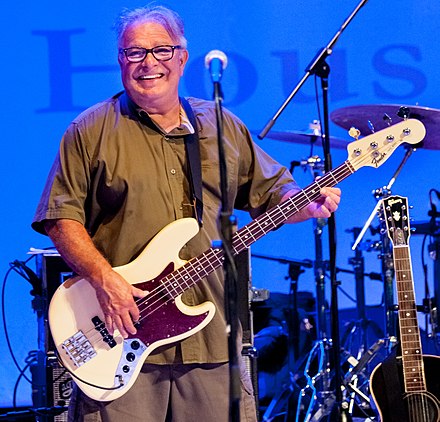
[125, 179]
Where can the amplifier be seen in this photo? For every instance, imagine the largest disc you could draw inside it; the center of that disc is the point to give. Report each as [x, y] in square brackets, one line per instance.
[59, 388]
[52, 271]
[52, 389]
[52, 384]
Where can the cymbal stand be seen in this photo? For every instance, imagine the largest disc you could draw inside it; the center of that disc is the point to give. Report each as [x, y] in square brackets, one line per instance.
[386, 253]
[317, 391]
[282, 402]
[357, 331]
[316, 167]
[433, 304]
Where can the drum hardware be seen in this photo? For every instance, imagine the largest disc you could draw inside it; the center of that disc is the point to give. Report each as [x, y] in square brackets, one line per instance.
[258, 295]
[306, 138]
[320, 382]
[358, 330]
[434, 253]
[316, 166]
[296, 267]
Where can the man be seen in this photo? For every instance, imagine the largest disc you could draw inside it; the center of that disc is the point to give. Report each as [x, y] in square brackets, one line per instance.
[121, 175]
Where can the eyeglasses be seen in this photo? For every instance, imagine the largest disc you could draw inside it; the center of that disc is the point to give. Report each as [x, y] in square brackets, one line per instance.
[161, 53]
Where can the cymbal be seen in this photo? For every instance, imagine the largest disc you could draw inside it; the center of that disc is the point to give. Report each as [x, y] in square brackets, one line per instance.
[359, 115]
[305, 138]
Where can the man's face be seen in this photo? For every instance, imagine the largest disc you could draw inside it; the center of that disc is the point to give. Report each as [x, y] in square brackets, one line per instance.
[151, 82]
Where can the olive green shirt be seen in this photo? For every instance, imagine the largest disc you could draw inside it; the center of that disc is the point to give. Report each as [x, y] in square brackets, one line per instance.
[125, 179]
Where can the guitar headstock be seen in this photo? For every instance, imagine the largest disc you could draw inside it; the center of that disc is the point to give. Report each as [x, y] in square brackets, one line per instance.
[395, 211]
[375, 149]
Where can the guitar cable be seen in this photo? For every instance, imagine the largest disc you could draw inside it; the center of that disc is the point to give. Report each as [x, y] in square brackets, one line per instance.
[121, 381]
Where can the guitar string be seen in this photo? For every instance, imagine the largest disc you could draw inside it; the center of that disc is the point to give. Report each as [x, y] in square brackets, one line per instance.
[343, 171]
[416, 401]
[157, 294]
[142, 301]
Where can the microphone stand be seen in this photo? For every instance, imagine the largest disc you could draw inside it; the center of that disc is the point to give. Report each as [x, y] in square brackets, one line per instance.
[228, 224]
[338, 412]
[319, 67]
[320, 57]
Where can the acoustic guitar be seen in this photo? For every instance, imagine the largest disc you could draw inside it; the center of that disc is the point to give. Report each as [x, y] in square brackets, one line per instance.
[418, 400]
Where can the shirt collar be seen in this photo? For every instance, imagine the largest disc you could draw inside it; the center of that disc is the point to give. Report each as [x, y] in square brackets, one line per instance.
[185, 127]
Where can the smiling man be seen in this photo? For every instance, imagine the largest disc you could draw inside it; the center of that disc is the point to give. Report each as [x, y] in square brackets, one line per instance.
[121, 175]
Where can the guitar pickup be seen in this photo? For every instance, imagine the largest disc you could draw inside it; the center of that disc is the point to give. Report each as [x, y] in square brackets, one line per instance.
[106, 336]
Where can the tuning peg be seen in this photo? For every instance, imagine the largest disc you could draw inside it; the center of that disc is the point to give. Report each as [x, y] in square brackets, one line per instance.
[387, 119]
[403, 112]
[354, 133]
[371, 126]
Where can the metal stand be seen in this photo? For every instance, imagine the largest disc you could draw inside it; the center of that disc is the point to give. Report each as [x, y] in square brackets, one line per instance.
[281, 404]
[320, 68]
[355, 338]
[317, 360]
[386, 253]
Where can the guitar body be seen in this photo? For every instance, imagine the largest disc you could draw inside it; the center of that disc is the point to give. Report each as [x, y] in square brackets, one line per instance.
[96, 358]
[387, 401]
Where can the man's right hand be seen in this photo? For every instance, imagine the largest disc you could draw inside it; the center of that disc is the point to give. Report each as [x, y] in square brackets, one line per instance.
[114, 293]
[115, 296]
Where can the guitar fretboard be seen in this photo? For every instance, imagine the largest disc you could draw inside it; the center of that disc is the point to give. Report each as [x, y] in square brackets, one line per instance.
[199, 267]
[412, 359]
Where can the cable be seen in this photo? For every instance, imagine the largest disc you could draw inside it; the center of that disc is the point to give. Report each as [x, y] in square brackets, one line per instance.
[20, 268]
[8, 342]
[14, 395]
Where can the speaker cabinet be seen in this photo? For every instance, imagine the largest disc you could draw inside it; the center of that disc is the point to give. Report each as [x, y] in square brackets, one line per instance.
[52, 384]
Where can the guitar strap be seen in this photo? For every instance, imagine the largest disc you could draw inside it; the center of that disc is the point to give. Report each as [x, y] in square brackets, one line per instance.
[194, 162]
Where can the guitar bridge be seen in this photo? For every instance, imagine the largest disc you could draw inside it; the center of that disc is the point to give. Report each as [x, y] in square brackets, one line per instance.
[79, 349]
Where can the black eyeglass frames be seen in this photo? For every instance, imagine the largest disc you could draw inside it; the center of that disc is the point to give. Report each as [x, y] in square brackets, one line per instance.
[161, 53]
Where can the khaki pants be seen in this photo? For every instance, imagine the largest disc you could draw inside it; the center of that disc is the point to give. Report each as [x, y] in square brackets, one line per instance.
[170, 393]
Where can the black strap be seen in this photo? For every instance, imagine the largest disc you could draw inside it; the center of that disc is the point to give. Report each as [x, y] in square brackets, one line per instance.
[195, 167]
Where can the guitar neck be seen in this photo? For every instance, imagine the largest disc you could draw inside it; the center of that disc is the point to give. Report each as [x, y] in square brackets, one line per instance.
[199, 267]
[412, 359]
[372, 151]
[278, 215]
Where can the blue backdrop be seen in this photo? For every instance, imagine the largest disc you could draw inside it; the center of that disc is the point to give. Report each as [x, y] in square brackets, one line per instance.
[59, 58]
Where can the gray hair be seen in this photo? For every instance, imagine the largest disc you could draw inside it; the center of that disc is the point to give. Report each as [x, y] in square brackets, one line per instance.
[169, 19]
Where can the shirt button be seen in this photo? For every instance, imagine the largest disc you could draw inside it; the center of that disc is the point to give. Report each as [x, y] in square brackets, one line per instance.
[173, 171]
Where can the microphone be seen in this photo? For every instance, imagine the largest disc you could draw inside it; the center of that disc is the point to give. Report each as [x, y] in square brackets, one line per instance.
[216, 61]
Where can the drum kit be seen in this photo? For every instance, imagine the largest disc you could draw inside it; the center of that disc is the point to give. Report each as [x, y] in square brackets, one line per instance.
[307, 391]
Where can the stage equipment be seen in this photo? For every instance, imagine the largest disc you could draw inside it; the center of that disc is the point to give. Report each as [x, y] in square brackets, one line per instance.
[52, 383]
[355, 338]
[431, 230]
[305, 138]
[246, 295]
[417, 398]
[319, 67]
[377, 116]
[216, 62]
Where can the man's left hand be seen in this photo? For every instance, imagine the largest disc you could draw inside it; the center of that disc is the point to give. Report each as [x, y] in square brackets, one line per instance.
[323, 207]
